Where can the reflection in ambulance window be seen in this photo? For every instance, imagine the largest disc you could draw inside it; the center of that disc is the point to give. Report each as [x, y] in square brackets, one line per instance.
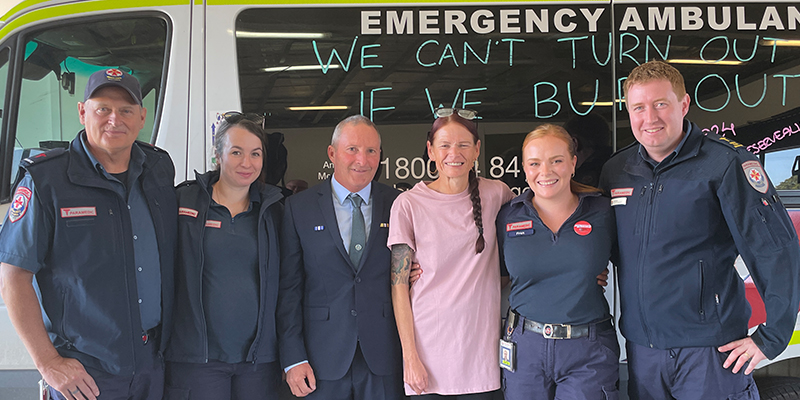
[779, 168]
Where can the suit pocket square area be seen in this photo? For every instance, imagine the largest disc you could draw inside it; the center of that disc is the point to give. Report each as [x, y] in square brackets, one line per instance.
[318, 313]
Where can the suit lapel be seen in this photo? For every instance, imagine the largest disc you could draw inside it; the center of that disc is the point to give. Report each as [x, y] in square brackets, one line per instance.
[326, 205]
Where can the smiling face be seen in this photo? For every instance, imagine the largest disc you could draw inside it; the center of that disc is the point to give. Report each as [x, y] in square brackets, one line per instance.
[454, 149]
[112, 120]
[241, 158]
[355, 156]
[548, 167]
[656, 115]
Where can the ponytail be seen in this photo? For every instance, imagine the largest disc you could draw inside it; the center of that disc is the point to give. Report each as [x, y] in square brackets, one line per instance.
[477, 214]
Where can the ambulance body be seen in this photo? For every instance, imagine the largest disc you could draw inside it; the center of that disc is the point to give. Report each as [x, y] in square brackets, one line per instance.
[305, 66]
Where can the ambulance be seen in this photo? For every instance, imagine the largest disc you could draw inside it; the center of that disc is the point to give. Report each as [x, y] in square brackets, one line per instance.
[304, 65]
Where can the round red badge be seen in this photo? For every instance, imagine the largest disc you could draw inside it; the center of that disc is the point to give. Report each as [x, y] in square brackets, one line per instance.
[582, 228]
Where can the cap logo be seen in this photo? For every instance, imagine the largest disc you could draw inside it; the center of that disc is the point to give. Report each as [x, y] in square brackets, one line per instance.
[114, 74]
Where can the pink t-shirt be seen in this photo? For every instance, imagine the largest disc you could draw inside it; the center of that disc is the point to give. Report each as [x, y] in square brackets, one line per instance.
[456, 301]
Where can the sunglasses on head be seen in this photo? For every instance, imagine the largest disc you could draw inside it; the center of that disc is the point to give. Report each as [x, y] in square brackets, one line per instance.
[233, 117]
[466, 114]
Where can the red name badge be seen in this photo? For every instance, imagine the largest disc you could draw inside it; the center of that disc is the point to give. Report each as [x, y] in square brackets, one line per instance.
[187, 212]
[518, 226]
[621, 192]
[73, 212]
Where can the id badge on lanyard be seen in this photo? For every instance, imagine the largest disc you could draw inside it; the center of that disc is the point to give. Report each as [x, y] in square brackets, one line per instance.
[508, 349]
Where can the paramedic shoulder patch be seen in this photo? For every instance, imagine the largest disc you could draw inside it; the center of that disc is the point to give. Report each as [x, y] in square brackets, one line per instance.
[755, 176]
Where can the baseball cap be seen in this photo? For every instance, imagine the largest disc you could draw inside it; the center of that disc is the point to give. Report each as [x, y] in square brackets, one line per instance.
[113, 77]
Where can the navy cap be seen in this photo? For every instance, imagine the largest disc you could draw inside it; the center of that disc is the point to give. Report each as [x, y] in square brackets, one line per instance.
[113, 77]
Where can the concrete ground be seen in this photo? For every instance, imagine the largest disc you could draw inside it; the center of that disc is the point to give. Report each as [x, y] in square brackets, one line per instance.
[24, 384]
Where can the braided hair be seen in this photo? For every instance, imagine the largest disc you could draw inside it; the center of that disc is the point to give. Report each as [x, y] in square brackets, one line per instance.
[474, 191]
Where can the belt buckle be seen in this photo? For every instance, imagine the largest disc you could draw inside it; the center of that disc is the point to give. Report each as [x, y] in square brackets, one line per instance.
[557, 331]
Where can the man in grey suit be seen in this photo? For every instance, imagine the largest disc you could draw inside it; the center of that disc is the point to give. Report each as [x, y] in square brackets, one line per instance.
[336, 330]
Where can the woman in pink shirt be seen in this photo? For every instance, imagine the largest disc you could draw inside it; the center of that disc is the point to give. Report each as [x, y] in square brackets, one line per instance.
[449, 321]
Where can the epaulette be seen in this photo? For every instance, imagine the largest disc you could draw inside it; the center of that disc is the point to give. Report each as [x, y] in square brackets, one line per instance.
[42, 157]
[148, 146]
[635, 143]
[714, 138]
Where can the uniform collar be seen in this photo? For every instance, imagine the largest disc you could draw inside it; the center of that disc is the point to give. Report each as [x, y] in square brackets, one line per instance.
[137, 155]
[527, 197]
[687, 127]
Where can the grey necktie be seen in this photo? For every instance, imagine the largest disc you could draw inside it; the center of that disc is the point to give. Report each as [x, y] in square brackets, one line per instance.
[358, 233]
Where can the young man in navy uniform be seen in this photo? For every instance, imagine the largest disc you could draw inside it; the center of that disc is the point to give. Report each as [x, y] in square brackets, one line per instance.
[336, 330]
[95, 224]
[686, 204]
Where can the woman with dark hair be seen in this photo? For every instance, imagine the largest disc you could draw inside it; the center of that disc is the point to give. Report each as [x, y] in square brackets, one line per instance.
[449, 340]
[224, 343]
[553, 240]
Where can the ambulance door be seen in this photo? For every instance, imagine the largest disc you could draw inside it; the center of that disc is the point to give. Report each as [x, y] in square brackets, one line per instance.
[47, 53]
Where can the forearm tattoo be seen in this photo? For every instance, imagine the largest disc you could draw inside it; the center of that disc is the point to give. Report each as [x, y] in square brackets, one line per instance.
[401, 263]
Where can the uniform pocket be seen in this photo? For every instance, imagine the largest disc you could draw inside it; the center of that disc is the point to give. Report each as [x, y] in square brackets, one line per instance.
[73, 223]
[749, 393]
[771, 227]
[701, 309]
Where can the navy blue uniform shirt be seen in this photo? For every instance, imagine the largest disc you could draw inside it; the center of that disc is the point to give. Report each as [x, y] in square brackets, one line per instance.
[145, 246]
[554, 274]
[231, 289]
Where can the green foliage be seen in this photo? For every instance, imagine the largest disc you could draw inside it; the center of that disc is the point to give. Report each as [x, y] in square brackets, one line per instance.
[789, 184]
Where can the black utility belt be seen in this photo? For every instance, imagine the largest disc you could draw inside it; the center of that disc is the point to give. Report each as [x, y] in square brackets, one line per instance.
[566, 331]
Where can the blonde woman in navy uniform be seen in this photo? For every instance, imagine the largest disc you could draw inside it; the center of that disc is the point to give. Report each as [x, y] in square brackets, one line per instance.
[225, 345]
[554, 240]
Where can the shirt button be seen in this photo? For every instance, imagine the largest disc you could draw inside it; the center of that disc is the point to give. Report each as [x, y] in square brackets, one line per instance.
[352, 312]
[140, 269]
[135, 237]
[140, 301]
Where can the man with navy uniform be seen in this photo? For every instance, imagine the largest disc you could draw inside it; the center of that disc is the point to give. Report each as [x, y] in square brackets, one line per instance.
[336, 330]
[96, 225]
[686, 204]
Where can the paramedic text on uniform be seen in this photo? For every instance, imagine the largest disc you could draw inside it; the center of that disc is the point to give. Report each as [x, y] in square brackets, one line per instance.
[686, 204]
[96, 225]
[336, 330]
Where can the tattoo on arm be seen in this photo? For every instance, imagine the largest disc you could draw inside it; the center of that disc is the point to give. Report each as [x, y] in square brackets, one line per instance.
[401, 263]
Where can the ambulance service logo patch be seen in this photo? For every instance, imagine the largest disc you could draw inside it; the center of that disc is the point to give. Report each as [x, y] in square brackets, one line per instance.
[755, 176]
[22, 197]
[114, 74]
